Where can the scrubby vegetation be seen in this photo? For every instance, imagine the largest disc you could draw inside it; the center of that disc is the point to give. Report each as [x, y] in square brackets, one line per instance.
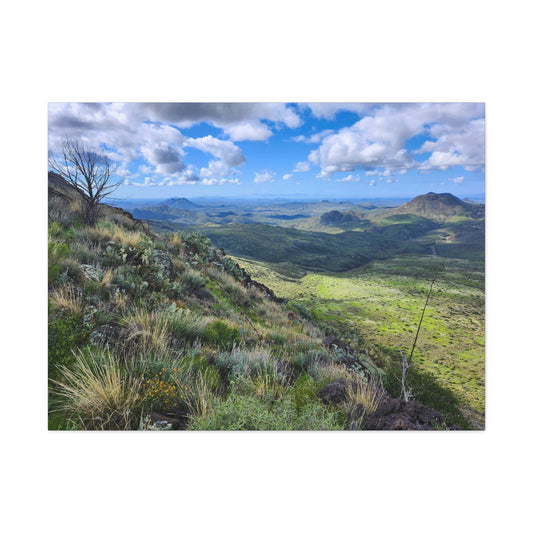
[151, 329]
[142, 323]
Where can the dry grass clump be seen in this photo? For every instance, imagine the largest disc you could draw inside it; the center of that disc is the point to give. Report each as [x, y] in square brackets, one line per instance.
[66, 299]
[98, 394]
[362, 400]
[198, 397]
[328, 372]
[108, 231]
[147, 333]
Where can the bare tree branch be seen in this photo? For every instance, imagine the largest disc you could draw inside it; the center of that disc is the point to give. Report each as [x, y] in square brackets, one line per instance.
[88, 172]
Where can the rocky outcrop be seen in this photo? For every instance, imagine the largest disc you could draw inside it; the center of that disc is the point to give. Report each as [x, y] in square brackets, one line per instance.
[394, 414]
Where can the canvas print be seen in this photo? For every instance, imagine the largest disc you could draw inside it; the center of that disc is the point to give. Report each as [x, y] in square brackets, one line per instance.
[266, 266]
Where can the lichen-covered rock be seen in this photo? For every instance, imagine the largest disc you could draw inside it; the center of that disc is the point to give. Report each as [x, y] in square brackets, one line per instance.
[159, 422]
[92, 272]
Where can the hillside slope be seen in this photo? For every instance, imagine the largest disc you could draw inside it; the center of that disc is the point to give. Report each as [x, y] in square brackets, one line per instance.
[151, 331]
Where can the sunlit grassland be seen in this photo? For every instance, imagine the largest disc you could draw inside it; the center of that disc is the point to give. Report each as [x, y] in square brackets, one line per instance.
[380, 304]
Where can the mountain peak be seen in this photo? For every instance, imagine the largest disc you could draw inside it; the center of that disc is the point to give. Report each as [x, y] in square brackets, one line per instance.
[435, 206]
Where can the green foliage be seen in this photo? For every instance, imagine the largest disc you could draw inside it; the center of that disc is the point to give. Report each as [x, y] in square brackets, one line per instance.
[231, 267]
[186, 326]
[198, 246]
[57, 252]
[191, 281]
[65, 333]
[220, 334]
[247, 412]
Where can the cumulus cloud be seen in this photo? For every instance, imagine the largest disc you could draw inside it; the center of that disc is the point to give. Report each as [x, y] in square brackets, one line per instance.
[214, 181]
[226, 151]
[328, 110]
[264, 177]
[457, 180]
[372, 183]
[313, 139]
[302, 166]
[241, 121]
[378, 139]
[287, 177]
[164, 157]
[349, 179]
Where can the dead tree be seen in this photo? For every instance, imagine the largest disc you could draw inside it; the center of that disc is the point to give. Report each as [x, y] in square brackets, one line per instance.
[89, 172]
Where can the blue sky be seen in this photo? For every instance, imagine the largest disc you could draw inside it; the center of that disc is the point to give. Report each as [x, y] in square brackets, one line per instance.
[322, 150]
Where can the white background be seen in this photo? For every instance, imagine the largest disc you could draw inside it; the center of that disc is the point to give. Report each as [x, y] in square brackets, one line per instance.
[271, 51]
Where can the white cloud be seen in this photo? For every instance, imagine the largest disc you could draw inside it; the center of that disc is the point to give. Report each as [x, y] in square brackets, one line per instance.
[241, 121]
[249, 131]
[287, 177]
[226, 151]
[264, 177]
[223, 181]
[330, 109]
[372, 183]
[302, 166]
[349, 179]
[457, 180]
[313, 139]
[378, 139]
[166, 158]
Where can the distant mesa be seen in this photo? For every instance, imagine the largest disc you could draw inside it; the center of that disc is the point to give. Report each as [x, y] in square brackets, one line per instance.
[336, 218]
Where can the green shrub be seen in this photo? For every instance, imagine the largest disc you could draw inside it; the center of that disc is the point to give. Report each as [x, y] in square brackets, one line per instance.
[57, 252]
[186, 326]
[246, 412]
[65, 333]
[191, 281]
[218, 333]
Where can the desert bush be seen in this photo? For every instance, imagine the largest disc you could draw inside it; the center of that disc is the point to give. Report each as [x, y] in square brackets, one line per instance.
[191, 281]
[198, 246]
[186, 326]
[100, 393]
[247, 362]
[231, 267]
[221, 334]
[65, 333]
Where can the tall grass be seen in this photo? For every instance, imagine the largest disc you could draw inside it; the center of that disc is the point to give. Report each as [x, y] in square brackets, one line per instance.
[147, 333]
[361, 401]
[68, 300]
[98, 393]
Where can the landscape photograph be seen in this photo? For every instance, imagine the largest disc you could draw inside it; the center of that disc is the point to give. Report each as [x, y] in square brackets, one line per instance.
[266, 266]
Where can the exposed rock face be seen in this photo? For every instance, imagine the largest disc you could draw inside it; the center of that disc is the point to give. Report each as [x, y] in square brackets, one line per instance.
[394, 414]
